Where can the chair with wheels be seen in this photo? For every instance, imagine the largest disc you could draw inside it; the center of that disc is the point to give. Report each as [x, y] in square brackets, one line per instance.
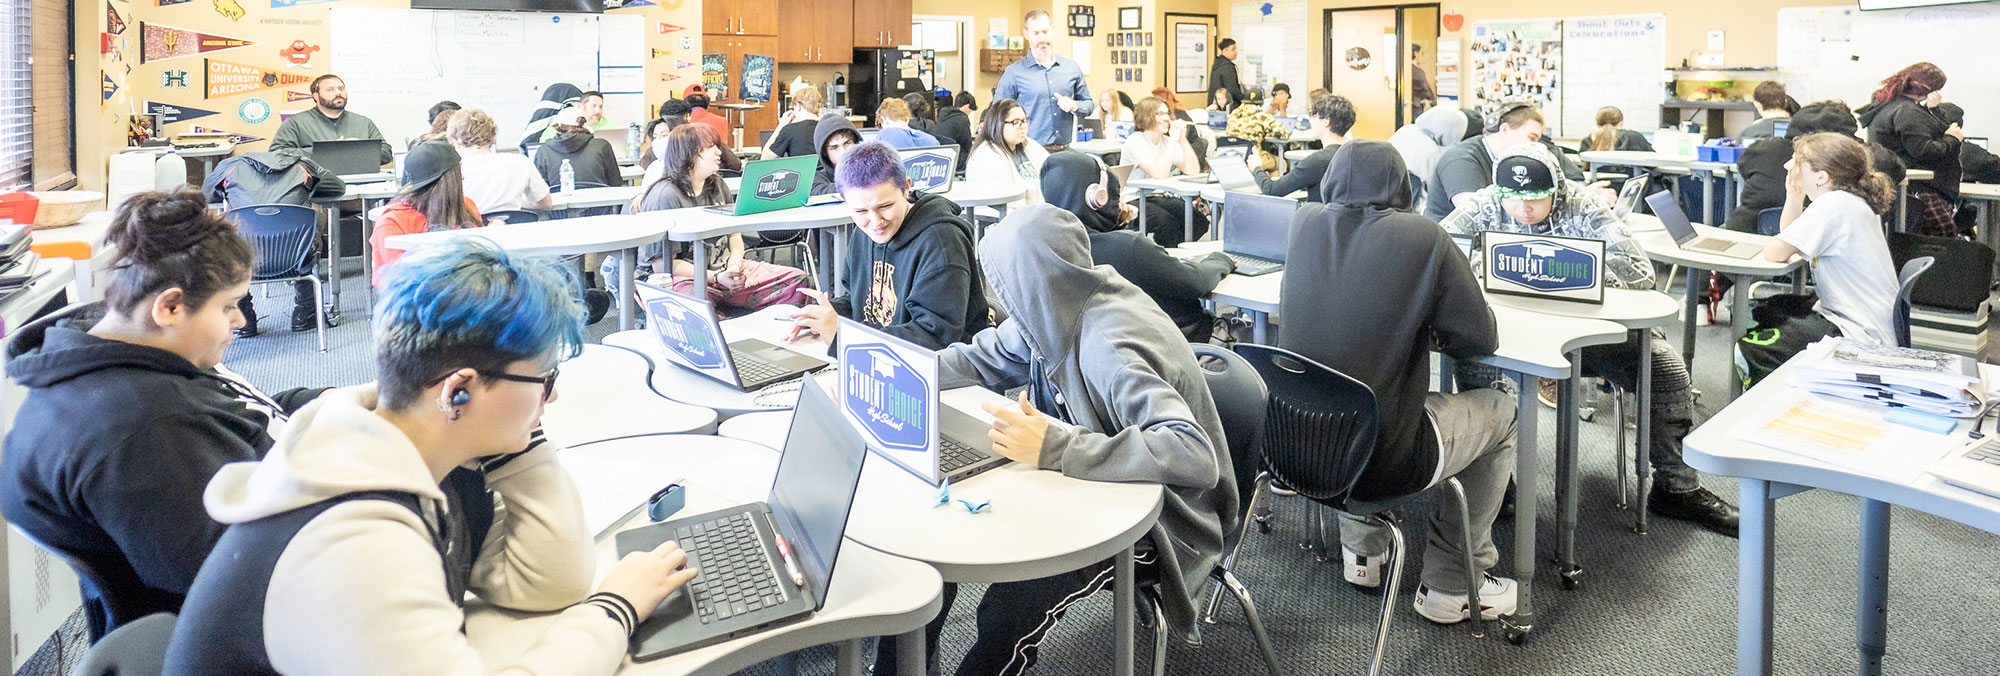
[281, 237]
[511, 216]
[1907, 280]
[1319, 435]
[136, 649]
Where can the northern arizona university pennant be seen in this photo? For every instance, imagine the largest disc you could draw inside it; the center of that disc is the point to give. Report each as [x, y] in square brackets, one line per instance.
[170, 113]
[221, 79]
[159, 43]
[238, 139]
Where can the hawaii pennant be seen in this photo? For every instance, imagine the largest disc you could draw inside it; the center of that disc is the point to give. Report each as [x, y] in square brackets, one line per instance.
[238, 139]
[113, 23]
[170, 114]
[159, 43]
[221, 79]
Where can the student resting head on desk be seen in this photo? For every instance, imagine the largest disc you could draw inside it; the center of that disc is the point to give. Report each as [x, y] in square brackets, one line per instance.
[129, 411]
[342, 556]
[909, 266]
[1528, 194]
[1112, 393]
[433, 198]
[691, 159]
[1840, 233]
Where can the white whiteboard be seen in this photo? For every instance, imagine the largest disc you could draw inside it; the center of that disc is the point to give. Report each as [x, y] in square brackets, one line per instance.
[1613, 61]
[397, 63]
[1843, 53]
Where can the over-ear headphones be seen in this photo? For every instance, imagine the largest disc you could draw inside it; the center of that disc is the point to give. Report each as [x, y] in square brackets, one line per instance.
[1493, 121]
[460, 397]
[1097, 195]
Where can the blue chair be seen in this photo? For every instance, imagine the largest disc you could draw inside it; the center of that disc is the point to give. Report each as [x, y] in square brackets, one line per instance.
[511, 216]
[1319, 435]
[281, 240]
[101, 610]
[1907, 280]
[1416, 189]
[136, 649]
[1767, 220]
[1240, 399]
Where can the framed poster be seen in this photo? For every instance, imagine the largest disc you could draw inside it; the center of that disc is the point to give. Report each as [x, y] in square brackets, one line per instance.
[1190, 58]
[1128, 18]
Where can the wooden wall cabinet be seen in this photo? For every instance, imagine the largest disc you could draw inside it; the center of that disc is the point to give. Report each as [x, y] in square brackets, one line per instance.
[739, 17]
[817, 31]
[882, 23]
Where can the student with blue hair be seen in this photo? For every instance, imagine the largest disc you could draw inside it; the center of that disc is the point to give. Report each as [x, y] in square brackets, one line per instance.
[910, 268]
[345, 552]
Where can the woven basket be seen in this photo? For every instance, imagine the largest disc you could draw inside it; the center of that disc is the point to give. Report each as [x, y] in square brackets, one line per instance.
[64, 207]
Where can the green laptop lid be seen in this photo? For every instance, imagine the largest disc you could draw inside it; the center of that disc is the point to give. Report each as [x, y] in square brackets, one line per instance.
[770, 185]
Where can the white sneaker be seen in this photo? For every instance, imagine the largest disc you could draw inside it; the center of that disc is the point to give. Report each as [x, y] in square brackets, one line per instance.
[1497, 596]
[1360, 571]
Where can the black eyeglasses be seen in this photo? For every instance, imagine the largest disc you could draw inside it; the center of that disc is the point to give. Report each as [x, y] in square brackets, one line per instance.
[547, 381]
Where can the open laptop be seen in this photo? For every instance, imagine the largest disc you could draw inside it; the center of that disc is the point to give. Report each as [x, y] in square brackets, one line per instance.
[930, 168]
[1669, 211]
[1256, 232]
[345, 158]
[771, 185]
[690, 336]
[1977, 140]
[616, 136]
[746, 584]
[1123, 172]
[1629, 196]
[1974, 467]
[1228, 168]
[889, 389]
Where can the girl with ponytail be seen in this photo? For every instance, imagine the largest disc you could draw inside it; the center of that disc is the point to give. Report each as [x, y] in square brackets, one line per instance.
[1902, 118]
[1834, 199]
[1611, 133]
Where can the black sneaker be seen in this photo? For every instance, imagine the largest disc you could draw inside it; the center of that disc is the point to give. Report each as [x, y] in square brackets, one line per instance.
[1698, 505]
[596, 303]
[249, 329]
[303, 320]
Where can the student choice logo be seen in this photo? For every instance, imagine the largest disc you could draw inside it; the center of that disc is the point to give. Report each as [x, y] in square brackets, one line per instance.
[1545, 265]
[777, 184]
[697, 346]
[928, 171]
[887, 396]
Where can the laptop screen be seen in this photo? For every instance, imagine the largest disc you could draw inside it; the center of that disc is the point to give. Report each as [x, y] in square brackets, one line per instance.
[687, 331]
[817, 477]
[1670, 214]
[1628, 197]
[930, 168]
[1228, 164]
[1257, 225]
[1976, 140]
[889, 390]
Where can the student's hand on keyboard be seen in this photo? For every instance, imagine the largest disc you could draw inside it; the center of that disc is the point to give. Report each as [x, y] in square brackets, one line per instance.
[646, 578]
[815, 319]
[1017, 432]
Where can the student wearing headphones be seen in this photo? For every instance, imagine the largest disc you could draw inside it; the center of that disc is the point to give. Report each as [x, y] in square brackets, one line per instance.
[1529, 195]
[342, 556]
[1468, 166]
[129, 410]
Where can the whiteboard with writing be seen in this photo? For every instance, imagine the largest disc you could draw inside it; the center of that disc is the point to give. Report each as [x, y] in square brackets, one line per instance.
[399, 62]
[1843, 53]
[1613, 61]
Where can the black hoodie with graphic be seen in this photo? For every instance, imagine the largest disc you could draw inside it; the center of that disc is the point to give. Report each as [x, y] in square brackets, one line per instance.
[110, 453]
[924, 285]
[590, 157]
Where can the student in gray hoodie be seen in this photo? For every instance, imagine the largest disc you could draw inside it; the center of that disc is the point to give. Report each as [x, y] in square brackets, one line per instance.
[1113, 394]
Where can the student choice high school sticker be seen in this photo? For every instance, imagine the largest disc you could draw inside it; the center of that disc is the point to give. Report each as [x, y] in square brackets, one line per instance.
[694, 346]
[888, 398]
[1544, 266]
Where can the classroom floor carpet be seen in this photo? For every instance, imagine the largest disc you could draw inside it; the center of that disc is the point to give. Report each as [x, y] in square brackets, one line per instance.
[1662, 603]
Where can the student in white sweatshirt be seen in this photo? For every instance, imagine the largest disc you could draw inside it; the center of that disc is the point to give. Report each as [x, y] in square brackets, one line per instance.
[352, 543]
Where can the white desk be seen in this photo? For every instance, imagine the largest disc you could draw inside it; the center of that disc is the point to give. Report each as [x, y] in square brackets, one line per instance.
[1661, 248]
[1187, 187]
[698, 225]
[1297, 155]
[1041, 523]
[872, 594]
[585, 198]
[1099, 146]
[631, 173]
[603, 395]
[683, 385]
[764, 428]
[1767, 475]
[565, 237]
[371, 177]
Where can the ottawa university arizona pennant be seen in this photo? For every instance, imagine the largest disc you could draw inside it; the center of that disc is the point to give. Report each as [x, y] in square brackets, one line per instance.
[221, 79]
[159, 43]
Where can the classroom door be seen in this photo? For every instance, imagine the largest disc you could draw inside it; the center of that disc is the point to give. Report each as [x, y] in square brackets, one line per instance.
[1419, 35]
[1362, 65]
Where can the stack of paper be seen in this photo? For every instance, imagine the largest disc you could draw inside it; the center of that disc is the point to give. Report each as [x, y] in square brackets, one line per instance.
[1924, 380]
[1859, 438]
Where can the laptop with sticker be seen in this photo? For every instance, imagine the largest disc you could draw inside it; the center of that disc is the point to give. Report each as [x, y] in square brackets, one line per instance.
[1543, 266]
[690, 336]
[930, 168]
[771, 185]
[1628, 197]
[889, 389]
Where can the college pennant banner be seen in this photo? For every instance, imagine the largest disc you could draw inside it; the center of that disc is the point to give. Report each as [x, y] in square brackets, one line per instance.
[170, 113]
[221, 79]
[159, 43]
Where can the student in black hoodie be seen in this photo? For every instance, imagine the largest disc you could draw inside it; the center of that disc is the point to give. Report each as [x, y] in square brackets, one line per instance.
[833, 137]
[129, 411]
[1763, 163]
[1078, 183]
[590, 157]
[910, 267]
[1331, 117]
[954, 124]
[1901, 119]
[1979, 164]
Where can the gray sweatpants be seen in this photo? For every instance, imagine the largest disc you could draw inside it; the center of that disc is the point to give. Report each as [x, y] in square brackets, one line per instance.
[1475, 444]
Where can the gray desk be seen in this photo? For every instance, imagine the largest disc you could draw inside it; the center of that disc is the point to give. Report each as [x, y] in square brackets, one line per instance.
[566, 237]
[1661, 248]
[603, 394]
[1186, 187]
[1708, 171]
[698, 225]
[1768, 475]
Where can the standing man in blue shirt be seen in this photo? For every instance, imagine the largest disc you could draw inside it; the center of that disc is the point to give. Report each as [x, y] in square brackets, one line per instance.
[1050, 88]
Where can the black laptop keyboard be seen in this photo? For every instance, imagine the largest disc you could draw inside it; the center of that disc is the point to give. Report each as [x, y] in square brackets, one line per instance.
[736, 576]
[954, 456]
[752, 369]
[1248, 265]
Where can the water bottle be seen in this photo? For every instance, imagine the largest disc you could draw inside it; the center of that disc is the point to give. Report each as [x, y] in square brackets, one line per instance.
[568, 176]
[169, 172]
[632, 140]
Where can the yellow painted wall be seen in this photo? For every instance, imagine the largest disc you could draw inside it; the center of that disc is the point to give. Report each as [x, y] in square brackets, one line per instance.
[982, 13]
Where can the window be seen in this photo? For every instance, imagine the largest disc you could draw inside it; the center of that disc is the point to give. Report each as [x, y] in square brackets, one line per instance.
[37, 133]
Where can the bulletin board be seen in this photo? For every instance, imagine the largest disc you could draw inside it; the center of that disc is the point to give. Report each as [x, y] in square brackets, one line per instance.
[1572, 67]
[1267, 35]
[407, 60]
[1518, 59]
[1843, 53]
